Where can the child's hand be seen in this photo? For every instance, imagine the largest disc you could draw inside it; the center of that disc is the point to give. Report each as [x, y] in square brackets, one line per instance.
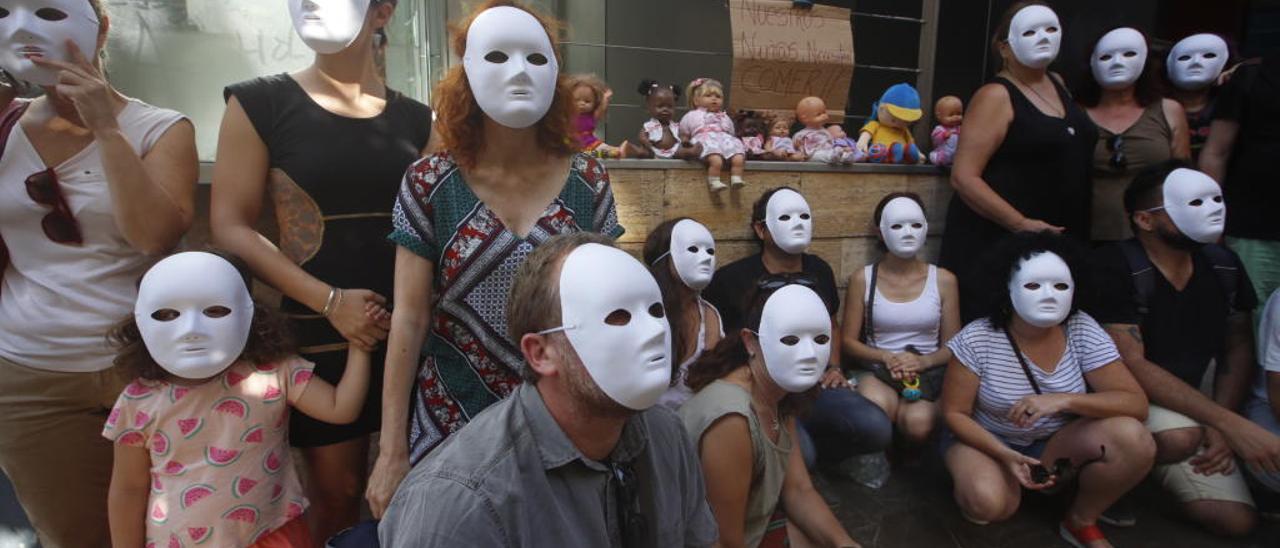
[350, 318]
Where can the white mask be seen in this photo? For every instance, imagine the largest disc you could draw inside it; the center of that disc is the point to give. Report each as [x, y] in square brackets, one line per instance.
[789, 221]
[194, 313]
[1194, 202]
[693, 253]
[1034, 36]
[612, 313]
[328, 26]
[510, 66]
[1041, 289]
[1118, 58]
[1196, 61]
[903, 227]
[41, 28]
[795, 337]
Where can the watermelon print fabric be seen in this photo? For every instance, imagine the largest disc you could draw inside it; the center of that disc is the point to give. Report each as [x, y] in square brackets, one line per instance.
[221, 473]
[468, 363]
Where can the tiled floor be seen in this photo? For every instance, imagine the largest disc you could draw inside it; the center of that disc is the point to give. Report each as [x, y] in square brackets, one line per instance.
[915, 509]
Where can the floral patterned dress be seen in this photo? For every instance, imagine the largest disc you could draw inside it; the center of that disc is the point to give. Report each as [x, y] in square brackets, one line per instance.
[468, 362]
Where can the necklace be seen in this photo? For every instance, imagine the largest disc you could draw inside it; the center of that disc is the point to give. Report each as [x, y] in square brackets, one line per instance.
[1047, 104]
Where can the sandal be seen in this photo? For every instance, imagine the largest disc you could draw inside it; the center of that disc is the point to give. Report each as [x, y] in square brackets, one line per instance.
[1082, 536]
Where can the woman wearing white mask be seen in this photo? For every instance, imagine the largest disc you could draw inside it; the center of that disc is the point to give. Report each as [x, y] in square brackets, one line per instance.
[899, 311]
[508, 179]
[1193, 70]
[1136, 126]
[1024, 157]
[681, 254]
[1036, 395]
[94, 185]
[328, 145]
[742, 421]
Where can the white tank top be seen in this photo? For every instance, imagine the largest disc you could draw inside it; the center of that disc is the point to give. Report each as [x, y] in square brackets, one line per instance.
[914, 322]
[675, 396]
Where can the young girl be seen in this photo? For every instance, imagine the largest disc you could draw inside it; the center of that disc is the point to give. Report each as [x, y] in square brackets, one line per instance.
[659, 137]
[201, 435]
[709, 126]
[899, 311]
[780, 146]
[590, 102]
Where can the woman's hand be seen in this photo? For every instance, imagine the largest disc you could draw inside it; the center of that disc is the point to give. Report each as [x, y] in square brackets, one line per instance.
[388, 471]
[833, 378]
[905, 365]
[86, 88]
[1020, 466]
[1036, 225]
[1030, 409]
[361, 317]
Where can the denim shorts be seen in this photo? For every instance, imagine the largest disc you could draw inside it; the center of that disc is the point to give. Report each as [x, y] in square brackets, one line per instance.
[946, 439]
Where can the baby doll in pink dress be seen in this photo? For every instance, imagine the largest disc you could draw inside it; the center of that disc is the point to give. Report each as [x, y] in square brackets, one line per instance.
[660, 136]
[708, 125]
[814, 141]
[780, 145]
[949, 111]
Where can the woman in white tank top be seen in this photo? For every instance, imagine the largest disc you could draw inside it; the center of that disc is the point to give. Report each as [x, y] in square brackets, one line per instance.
[681, 255]
[898, 313]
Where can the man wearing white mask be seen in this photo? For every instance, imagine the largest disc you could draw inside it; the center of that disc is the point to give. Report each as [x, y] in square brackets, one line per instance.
[842, 423]
[534, 469]
[1192, 68]
[1173, 300]
[1136, 126]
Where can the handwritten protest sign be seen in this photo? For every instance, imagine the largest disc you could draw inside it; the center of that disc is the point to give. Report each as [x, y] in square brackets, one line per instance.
[782, 55]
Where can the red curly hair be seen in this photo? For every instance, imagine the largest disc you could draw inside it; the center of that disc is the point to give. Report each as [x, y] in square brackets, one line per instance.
[459, 120]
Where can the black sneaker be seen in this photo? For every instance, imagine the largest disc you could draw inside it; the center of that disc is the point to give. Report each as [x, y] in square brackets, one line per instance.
[1119, 514]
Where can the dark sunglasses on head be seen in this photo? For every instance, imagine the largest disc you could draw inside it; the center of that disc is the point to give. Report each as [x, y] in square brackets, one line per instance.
[59, 225]
[778, 281]
[1115, 145]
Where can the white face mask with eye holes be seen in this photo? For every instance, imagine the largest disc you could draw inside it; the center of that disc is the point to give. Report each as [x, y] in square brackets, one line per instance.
[903, 227]
[41, 28]
[510, 66]
[1035, 36]
[795, 338]
[1118, 58]
[1196, 61]
[1042, 289]
[611, 312]
[789, 220]
[328, 26]
[1194, 202]
[693, 253]
[194, 313]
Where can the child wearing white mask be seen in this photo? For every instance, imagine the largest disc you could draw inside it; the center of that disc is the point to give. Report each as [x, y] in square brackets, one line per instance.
[1036, 395]
[681, 254]
[1136, 126]
[201, 435]
[899, 312]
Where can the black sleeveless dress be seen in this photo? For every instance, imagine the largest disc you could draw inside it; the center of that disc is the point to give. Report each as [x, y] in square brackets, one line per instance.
[1042, 169]
[332, 182]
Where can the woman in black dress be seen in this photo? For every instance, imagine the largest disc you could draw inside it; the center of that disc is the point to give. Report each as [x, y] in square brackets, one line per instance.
[1024, 155]
[328, 146]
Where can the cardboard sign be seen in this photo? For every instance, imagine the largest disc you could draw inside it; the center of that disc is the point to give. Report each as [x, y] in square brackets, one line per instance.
[782, 55]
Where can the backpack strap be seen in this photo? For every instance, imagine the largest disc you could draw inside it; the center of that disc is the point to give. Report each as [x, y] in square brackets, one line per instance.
[1141, 272]
[1226, 269]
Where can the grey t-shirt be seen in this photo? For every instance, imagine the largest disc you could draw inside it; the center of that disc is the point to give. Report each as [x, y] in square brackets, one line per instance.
[512, 478]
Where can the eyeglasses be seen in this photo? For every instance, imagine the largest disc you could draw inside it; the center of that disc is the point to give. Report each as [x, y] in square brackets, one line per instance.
[778, 281]
[1115, 145]
[59, 225]
[632, 522]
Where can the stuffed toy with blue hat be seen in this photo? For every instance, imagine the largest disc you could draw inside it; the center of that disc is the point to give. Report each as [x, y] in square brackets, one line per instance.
[887, 139]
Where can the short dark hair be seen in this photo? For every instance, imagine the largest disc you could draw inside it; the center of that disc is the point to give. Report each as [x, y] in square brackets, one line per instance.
[758, 209]
[1148, 89]
[533, 304]
[1002, 261]
[1144, 191]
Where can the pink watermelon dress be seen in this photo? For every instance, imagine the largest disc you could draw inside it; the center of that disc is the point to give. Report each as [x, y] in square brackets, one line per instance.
[221, 474]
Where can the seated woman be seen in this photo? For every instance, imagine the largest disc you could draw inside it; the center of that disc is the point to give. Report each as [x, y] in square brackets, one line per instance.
[1036, 381]
[742, 420]
[681, 254]
[898, 312]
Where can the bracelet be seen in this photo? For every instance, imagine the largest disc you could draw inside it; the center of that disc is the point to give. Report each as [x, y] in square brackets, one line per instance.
[335, 295]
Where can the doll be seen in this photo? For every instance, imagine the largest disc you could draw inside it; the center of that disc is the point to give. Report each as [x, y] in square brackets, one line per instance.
[949, 111]
[814, 142]
[205, 423]
[780, 146]
[839, 138]
[887, 139]
[590, 101]
[754, 136]
[660, 136]
[708, 125]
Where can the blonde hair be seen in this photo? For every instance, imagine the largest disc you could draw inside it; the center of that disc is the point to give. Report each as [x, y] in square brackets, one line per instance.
[702, 86]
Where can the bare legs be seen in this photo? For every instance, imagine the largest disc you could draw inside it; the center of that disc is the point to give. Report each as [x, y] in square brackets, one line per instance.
[336, 486]
[913, 420]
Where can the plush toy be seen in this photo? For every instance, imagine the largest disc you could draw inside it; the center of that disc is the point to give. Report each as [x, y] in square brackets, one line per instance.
[708, 125]
[780, 146]
[590, 101]
[814, 142]
[949, 111]
[887, 139]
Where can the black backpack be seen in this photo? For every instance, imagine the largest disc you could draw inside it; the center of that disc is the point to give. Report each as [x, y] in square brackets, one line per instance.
[1225, 268]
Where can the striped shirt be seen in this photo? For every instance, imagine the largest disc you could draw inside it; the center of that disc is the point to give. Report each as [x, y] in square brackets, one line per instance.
[985, 351]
